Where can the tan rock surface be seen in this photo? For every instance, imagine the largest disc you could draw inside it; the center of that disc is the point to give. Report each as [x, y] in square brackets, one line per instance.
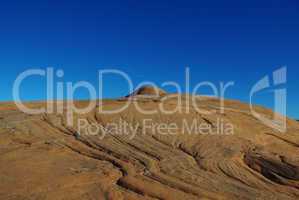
[43, 158]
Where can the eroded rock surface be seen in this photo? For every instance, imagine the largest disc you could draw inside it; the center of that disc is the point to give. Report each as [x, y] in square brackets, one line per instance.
[41, 157]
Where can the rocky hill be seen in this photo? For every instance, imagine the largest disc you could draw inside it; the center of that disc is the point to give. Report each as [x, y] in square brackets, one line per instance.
[42, 157]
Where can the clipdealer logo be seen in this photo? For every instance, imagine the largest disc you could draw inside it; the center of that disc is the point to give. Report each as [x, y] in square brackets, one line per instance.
[56, 91]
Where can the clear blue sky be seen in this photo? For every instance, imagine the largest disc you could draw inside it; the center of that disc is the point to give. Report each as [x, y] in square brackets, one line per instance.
[151, 40]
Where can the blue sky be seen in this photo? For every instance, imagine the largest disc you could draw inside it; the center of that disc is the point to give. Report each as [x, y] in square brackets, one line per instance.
[238, 41]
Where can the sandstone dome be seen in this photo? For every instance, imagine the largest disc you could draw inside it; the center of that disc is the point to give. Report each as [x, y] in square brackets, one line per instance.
[42, 152]
[150, 91]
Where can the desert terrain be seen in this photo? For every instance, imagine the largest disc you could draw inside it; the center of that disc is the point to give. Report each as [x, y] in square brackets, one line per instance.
[43, 158]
